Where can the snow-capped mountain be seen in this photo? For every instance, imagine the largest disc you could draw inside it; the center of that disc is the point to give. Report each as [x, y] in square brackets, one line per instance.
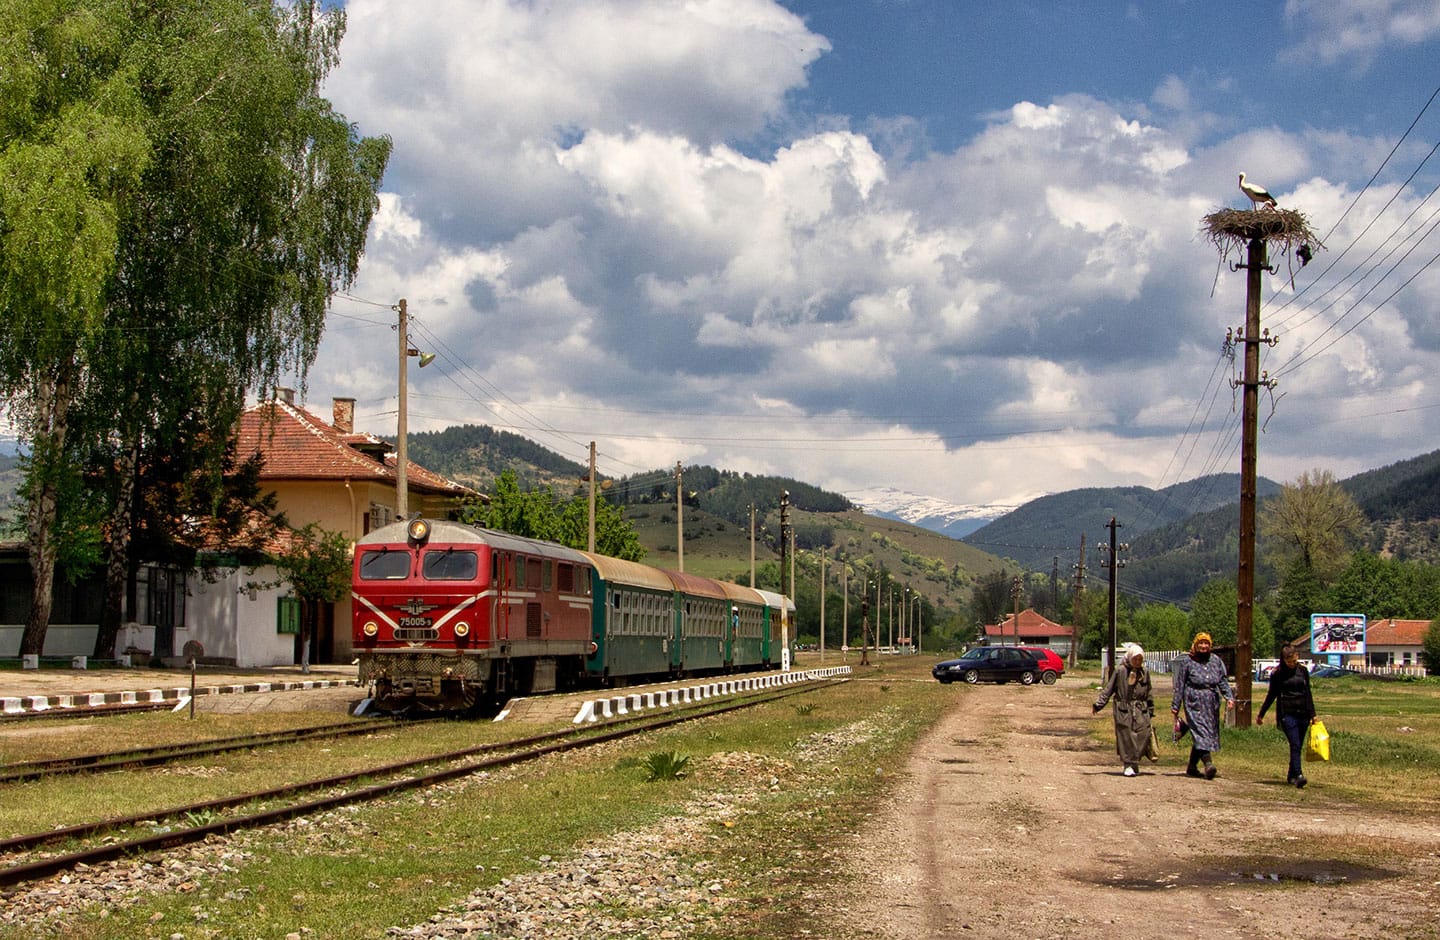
[937, 515]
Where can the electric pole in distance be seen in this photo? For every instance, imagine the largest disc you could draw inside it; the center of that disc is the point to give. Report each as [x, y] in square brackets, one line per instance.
[1114, 564]
[1075, 605]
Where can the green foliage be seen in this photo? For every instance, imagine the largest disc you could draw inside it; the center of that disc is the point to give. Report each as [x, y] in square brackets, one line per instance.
[1160, 627]
[316, 565]
[665, 765]
[1215, 611]
[1385, 587]
[1430, 648]
[536, 513]
[179, 205]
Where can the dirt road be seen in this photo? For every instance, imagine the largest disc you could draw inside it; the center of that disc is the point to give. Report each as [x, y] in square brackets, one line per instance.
[1013, 823]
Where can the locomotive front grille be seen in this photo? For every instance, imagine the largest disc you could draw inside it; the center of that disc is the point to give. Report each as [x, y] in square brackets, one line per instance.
[414, 634]
[399, 665]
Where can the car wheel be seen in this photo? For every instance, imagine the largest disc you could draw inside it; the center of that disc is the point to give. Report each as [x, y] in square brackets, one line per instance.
[1049, 677]
[971, 676]
[1027, 678]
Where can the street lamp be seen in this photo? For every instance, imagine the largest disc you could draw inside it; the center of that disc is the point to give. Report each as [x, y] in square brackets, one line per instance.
[402, 459]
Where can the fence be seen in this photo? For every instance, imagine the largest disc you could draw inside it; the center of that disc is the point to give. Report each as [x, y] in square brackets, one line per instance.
[1163, 661]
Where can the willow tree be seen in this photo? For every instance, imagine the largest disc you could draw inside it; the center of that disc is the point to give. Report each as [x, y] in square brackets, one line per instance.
[179, 204]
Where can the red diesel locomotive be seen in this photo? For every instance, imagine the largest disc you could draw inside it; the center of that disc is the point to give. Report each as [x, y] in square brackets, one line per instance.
[453, 617]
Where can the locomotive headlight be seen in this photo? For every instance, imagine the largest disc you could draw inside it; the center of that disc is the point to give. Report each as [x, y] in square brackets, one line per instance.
[462, 629]
[371, 628]
[418, 531]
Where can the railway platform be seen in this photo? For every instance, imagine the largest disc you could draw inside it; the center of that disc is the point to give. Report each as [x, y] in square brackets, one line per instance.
[26, 692]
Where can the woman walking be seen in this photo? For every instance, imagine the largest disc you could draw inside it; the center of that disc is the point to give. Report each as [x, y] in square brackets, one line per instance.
[1129, 687]
[1200, 686]
[1294, 707]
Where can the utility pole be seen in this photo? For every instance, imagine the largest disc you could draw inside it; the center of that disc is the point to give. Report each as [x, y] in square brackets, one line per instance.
[845, 606]
[823, 554]
[752, 545]
[1253, 338]
[591, 541]
[865, 624]
[1015, 592]
[784, 588]
[919, 623]
[679, 519]
[1055, 586]
[1114, 564]
[1253, 230]
[1075, 605]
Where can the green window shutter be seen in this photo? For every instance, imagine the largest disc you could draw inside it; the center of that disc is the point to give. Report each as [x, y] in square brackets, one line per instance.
[287, 615]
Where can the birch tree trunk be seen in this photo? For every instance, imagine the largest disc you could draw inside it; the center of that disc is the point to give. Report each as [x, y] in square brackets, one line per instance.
[52, 408]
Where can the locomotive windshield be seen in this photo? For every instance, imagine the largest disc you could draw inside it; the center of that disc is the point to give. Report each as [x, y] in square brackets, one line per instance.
[450, 565]
[384, 565]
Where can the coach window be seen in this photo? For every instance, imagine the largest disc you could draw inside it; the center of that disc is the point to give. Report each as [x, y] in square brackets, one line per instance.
[547, 576]
[532, 574]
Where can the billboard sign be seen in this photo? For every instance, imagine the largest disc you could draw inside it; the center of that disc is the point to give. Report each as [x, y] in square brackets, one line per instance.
[1336, 634]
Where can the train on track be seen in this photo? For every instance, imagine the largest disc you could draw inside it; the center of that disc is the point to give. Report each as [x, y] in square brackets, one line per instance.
[452, 617]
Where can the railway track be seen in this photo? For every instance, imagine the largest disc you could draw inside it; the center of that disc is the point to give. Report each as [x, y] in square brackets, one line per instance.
[152, 756]
[199, 819]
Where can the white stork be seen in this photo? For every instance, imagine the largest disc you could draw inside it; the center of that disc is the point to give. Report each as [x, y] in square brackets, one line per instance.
[1259, 195]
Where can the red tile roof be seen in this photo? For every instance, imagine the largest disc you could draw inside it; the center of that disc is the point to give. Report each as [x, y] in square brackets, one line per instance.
[1392, 632]
[296, 445]
[1032, 624]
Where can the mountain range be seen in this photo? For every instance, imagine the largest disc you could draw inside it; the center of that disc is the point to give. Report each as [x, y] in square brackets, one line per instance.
[1179, 537]
[928, 512]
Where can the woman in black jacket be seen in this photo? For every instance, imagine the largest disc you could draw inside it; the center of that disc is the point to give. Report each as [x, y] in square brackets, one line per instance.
[1295, 709]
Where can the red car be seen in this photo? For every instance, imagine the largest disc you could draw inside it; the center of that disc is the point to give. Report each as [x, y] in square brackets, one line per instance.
[1052, 666]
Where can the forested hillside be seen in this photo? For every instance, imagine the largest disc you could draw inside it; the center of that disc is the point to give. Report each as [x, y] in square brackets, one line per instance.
[476, 455]
[1052, 525]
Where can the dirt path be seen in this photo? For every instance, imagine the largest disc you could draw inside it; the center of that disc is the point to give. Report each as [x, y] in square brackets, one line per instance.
[1010, 822]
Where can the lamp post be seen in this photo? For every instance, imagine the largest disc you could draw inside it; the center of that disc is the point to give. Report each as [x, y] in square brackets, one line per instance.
[402, 459]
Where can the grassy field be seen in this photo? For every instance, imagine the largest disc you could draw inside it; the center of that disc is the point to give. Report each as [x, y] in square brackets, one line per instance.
[764, 805]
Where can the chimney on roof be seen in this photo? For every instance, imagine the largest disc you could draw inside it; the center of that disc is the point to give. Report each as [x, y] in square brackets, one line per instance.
[345, 415]
[287, 395]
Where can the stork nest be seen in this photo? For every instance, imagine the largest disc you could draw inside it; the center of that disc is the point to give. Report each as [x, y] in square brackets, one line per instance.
[1236, 228]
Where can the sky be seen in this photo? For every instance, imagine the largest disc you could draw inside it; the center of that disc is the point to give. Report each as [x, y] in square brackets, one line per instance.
[947, 247]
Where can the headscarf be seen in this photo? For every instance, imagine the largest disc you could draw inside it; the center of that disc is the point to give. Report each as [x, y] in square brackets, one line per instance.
[1131, 651]
[1195, 654]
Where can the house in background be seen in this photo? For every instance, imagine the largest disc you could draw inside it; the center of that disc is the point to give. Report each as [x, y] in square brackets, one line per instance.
[320, 472]
[1033, 630]
[1391, 642]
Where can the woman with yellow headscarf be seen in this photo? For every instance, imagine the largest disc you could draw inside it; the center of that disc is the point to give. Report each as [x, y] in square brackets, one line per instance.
[1200, 686]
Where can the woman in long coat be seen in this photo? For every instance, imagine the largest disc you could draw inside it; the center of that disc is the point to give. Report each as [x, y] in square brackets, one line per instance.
[1201, 685]
[1129, 688]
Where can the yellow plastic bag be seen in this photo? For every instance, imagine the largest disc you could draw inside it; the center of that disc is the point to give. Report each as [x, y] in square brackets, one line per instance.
[1317, 746]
